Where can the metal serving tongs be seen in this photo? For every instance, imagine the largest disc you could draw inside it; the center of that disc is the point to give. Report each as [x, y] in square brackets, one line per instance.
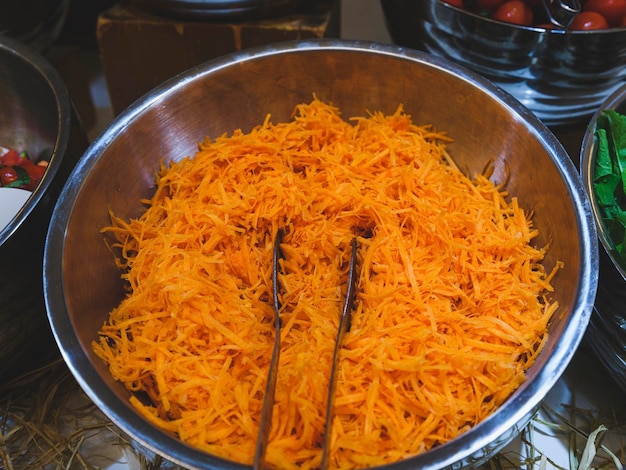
[562, 12]
[344, 327]
[270, 387]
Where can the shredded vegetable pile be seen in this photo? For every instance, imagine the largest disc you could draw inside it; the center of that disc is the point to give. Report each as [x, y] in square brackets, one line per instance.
[451, 307]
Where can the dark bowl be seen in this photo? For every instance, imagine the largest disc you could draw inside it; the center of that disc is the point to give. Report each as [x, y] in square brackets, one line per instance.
[36, 115]
[82, 282]
[36, 23]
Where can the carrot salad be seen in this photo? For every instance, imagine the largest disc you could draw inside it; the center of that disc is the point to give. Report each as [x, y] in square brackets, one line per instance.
[452, 301]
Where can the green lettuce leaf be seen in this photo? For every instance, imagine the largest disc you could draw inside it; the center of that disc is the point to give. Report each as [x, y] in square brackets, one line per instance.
[609, 180]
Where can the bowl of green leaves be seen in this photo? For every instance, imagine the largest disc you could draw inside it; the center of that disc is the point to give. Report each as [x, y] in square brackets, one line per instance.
[603, 171]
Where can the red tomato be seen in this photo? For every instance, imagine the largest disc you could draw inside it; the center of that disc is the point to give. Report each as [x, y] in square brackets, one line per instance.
[514, 11]
[490, 5]
[12, 168]
[36, 173]
[622, 22]
[10, 158]
[7, 175]
[588, 20]
[612, 10]
[454, 3]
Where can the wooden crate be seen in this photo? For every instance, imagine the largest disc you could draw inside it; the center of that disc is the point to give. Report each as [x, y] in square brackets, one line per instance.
[140, 50]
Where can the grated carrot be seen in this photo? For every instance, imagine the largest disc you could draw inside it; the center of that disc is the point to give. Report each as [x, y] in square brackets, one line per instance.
[452, 301]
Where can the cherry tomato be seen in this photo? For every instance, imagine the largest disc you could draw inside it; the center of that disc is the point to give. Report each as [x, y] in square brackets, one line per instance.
[36, 174]
[514, 11]
[17, 170]
[454, 3]
[588, 20]
[612, 10]
[7, 175]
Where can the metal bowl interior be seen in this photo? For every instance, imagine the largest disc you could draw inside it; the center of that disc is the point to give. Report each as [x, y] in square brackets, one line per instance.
[36, 115]
[82, 283]
[561, 76]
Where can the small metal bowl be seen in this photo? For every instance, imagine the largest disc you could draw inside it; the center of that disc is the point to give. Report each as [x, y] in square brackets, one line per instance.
[561, 76]
[36, 115]
[607, 329]
[82, 283]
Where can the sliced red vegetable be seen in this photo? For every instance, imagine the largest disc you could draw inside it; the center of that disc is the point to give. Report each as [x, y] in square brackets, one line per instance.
[12, 157]
[17, 170]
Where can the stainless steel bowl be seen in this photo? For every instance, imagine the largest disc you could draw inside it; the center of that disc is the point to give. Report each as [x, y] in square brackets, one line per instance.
[36, 115]
[607, 331]
[82, 283]
[561, 76]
